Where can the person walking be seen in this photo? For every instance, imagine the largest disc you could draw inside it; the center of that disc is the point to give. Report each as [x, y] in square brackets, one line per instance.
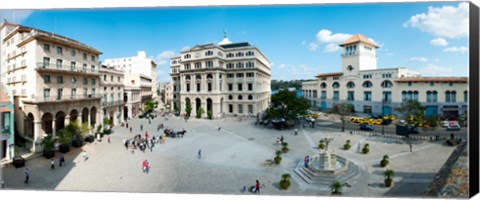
[85, 156]
[257, 187]
[27, 175]
[411, 147]
[52, 162]
[108, 139]
[60, 157]
[130, 129]
[141, 127]
[296, 132]
[147, 167]
[199, 154]
[127, 124]
[144, 166]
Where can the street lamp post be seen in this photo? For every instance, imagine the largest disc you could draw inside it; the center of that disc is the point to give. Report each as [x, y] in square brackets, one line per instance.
[383, 114]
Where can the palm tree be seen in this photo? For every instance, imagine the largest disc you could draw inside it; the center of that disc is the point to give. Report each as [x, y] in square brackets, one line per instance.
[336, 188]
[388, 177]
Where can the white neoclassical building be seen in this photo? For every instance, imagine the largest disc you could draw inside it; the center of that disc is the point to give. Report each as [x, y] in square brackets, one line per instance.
[111, 86]
[379, 90]
[224, 78]
[54, 80]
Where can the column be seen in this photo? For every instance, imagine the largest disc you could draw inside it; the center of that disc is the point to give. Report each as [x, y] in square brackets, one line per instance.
[67, 120]
[53, 127]
[79, 119]
[37, 134]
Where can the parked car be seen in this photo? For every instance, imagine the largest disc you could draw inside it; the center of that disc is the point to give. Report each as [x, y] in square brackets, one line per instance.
[366, 127]
[453, 127]
[444, 124]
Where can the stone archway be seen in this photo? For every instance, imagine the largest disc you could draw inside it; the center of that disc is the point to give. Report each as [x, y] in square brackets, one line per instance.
[47, 120]
[73, 116]
[85, 115]
[198, 104]
[209, 105]
[30, 130]
[59, 120]
[93, 116]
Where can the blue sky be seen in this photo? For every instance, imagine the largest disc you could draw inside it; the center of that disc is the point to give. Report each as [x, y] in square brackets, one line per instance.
[300, 41]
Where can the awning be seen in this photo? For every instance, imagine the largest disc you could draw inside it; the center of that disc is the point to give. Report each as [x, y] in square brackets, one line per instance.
[4, 109]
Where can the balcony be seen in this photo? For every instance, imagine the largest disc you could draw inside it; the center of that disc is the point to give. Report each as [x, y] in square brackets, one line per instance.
[240, 79]
[229, 80]
[250, 80]
[46, 67]
[113, 103]
[63, 98]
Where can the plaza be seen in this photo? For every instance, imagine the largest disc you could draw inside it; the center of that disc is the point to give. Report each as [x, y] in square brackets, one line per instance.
[232, 157]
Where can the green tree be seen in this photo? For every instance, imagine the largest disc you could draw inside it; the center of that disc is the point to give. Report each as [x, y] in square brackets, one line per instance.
[188, 108]
[388, 177]
[285, 182]
[285, 104]
[149, 105]
[200, 112]
[107, 121]
[84, 129]
[336, 188]
[343, 110]
[413, 112]
[433, 121]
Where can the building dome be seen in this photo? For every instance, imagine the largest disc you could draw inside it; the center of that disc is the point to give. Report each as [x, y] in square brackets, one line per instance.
[225, 39]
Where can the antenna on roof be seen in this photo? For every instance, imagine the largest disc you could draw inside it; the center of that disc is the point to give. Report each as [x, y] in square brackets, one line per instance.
[225, 33]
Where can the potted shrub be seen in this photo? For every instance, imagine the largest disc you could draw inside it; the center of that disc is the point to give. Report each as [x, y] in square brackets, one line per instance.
[321, 144]
[48, 147]
[210, 114]
[366, 148]
[200, 112]
[285, 147]
[384, 161]
[347, 145]
[64, 137]
[18, 161]
[277, 158]
[99, 131]
[388, 177]
[285, 182]
[336, 188]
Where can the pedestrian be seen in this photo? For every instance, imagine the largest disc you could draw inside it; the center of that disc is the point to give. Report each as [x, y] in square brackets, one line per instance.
[52, 167]
[281, 139]
[60, 160]
[27, 175]
[257, 187]
[147, 167]
[296, 132]
[199, 154]
[130, 129]
[305, 162]
[164, 137]
[127, 124]
[144, 166]
[149, 121]
[411, 150]
[141, 127]
[219, 128]
[108, 139]
[85, 156]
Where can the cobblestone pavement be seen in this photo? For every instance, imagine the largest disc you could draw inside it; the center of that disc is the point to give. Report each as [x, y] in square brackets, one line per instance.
[232, 157]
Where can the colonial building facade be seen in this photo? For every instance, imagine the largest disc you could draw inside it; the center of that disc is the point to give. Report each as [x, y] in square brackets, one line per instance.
[227, 78]
[6, 124]
[372, 90]
[111, 85]
[54, 81]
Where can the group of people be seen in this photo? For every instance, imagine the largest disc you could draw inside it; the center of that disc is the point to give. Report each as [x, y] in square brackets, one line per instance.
[143, 143]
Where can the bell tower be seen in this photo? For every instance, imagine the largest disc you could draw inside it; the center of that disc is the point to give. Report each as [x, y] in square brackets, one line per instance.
[359, 53]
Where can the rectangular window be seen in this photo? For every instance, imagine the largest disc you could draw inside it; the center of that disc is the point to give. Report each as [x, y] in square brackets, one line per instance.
[46, 62]
[84, 68]
[351, 96]
[74, 93]
[335, 95]
[250, 108]
[387, 96]
[93, 92]
[367, 96]
[250, 87]
[72, 66]
[324, 95]
[59, 50]
[93, 69]
[84, 56]
[85, 92]
[230, 87]
[240, 108]
[230, 108]
[59, 93]
[188, 87]
[92, 57]
[46, 93]
[198, 87]
[46, 47]
[93, 81]
[60, 79]
[240, 87]
[85, 81]
[209, 64]
[465, 97]
[198, 65]
[59, 63]
[209, 87]
[46, 78]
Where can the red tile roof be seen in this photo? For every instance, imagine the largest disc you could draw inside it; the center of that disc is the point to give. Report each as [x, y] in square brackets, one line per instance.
[329, 74]
[433, 79]
[358, 38]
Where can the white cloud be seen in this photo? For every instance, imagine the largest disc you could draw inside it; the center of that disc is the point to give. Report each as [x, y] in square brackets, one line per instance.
[331, 47]
[435, 70]
[184, 48]
[14, 16]
[419, 59]
[281, 66]
[164, 57]
[326, 36]
[312, 46]
[439, 42]
[446, 21]
[304, 42]
[461, 49]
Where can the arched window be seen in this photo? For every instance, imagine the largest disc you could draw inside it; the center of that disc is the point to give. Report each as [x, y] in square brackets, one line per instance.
[209, 76]
[230, 97]
[349, 68]
[240, 97]
[250, 97]
[350, 84]
[323, 85]
[387, 84]
[208, 53]
[188, 78]
[336, 85]
[367, 84]
[198, 77]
